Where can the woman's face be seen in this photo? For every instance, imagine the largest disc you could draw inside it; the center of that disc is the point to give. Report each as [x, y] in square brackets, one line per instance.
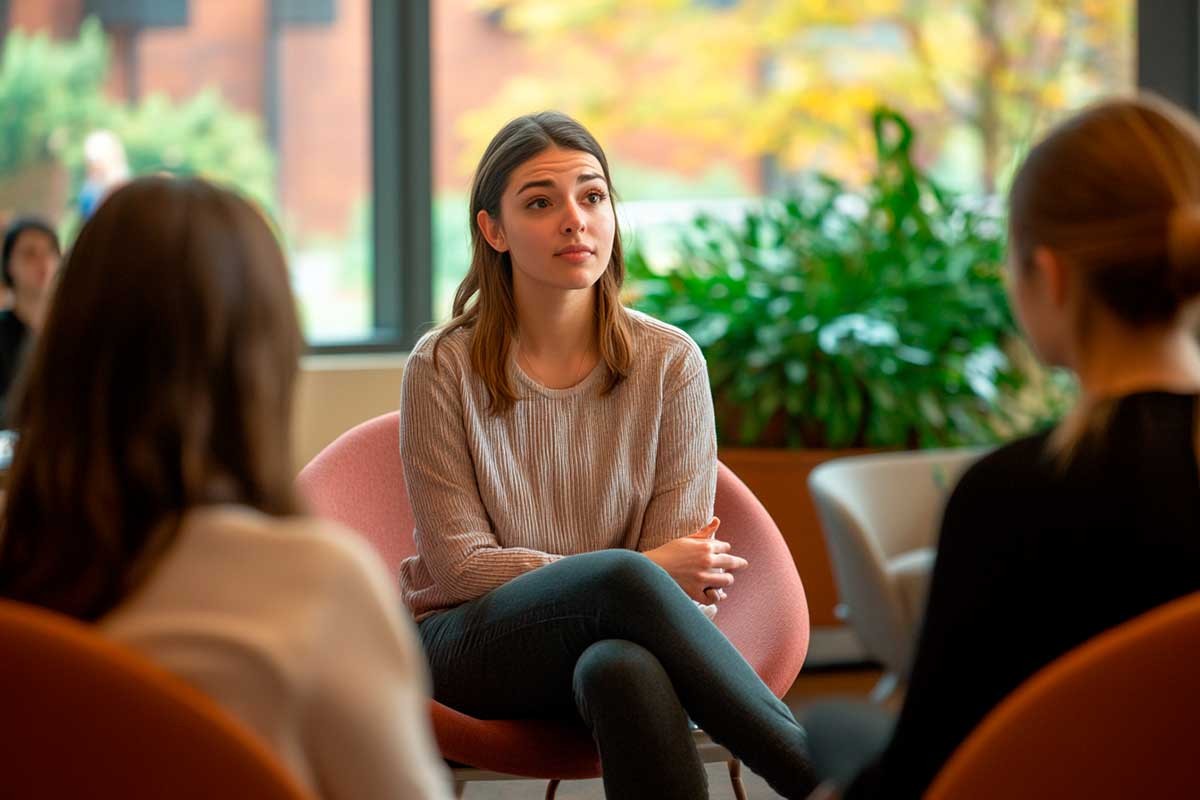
[556, 221]
[1035, 292]
[33, 263]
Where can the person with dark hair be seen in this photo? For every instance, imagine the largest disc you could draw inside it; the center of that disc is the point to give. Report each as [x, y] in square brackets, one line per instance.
[151, 492]
[560, 455]
[1055, 538]
[30, 259]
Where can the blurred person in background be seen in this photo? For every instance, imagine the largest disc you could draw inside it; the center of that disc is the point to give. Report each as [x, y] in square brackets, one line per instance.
[106, 168]
[31, 257]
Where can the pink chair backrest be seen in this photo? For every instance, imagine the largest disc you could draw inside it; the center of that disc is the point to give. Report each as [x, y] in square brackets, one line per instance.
[358, 480]
[766, 613]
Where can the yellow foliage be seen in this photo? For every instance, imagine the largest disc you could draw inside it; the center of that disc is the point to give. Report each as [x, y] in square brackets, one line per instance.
[797, 79]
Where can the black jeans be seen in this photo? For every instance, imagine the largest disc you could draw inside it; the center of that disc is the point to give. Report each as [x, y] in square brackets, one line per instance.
[611, 638]
[846, 736]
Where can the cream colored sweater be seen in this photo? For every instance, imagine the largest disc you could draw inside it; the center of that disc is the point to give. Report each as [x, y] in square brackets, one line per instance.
[294, 626]
[565, 471]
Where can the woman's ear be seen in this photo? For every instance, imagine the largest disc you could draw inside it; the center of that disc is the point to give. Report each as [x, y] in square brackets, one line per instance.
[492, 230]
[1054, 275]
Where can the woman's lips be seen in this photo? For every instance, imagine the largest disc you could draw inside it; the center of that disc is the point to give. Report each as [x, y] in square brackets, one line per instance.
[575, 255]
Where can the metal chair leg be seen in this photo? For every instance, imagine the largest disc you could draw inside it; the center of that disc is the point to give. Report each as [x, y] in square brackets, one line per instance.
[552, 789]
[735, 778]
[888, 683]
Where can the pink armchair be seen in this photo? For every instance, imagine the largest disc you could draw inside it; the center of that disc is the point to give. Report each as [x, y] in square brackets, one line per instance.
[358, 480]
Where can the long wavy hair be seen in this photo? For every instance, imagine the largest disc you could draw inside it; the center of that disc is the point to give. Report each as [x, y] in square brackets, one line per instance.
[484, 302]
[162, 382]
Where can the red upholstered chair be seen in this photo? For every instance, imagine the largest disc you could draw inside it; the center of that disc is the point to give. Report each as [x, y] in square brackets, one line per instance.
[358, 480]
[81, 716]
[1117, 717]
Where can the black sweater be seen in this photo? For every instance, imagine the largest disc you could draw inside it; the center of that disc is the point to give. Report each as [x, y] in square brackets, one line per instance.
[13, 336]
[1033, 561]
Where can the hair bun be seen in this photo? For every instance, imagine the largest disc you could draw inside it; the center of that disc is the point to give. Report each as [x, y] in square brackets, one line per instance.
[1183, 249]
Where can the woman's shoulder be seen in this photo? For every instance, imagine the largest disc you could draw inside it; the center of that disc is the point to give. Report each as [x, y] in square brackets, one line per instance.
[441, 349]
[1139, 424]
[1005, 472]
[1028, 455]
[662, 342]
[296, 544]
[443, 339]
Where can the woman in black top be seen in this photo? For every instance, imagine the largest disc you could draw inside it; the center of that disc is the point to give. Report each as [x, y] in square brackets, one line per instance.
[1055, 538]
[29, 261]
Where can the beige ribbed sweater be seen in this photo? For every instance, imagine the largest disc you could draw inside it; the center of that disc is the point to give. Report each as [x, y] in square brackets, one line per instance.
[293, 625]
[565, 471]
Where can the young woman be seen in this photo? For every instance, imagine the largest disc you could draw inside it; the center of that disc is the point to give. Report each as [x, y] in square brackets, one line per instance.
[1055, 538]
[151, 492]
[560, 456]
[30, 261]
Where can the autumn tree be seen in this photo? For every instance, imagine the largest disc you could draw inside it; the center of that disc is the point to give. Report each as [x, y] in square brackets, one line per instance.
[793, 82]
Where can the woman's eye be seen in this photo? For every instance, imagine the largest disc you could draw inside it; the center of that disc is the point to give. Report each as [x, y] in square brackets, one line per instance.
[540, 202]
[595, 197]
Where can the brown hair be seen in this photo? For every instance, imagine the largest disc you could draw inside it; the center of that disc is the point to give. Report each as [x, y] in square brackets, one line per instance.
[484, 301]
[1115, 190]
[163, 381]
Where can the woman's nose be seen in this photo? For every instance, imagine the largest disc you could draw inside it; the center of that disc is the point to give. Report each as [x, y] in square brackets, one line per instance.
[573, 220]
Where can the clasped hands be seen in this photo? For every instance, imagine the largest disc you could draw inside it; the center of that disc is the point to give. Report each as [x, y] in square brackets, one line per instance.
[700, 563]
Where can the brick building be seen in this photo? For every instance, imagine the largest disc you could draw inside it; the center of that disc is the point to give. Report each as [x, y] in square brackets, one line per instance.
[303, 68]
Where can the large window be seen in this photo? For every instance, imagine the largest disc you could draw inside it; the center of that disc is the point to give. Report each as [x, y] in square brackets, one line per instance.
[707, 104]
[357, 123]
[270, 96]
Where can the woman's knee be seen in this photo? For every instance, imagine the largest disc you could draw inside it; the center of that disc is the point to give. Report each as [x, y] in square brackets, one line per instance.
[627, 572]
[616, 670]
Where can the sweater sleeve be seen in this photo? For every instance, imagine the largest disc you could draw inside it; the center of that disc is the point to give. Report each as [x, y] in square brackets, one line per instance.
[454, 535]
[685, 473]
[366, 723]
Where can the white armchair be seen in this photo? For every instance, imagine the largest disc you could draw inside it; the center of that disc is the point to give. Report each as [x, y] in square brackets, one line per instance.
[880, 515]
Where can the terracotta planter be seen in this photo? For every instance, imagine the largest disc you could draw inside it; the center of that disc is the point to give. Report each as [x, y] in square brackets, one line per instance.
[779, 478]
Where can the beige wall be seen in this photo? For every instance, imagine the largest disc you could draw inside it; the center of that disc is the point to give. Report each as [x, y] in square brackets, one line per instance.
[335, 393]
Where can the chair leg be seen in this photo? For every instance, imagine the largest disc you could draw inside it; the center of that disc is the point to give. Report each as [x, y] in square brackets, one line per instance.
[888, 683]
[460, 788]
[552, 789]
[735, 778]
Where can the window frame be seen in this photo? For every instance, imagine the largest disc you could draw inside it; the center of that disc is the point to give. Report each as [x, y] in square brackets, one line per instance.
[1168, 50]
[402, 180]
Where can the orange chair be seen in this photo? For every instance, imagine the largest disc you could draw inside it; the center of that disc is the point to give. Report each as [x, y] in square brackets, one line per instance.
[81, 717]
[358, 480]
[1118, 717]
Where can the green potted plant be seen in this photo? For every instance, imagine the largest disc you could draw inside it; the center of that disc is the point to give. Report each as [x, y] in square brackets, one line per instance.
[836, 318]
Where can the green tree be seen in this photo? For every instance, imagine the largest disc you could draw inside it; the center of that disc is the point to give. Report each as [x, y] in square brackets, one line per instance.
[52, 95]
[203, 136]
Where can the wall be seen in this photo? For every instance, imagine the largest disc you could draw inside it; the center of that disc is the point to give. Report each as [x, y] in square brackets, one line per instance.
[335, 393]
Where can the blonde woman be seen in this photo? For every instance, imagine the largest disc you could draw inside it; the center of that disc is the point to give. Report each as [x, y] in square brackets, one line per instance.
[1057, 537]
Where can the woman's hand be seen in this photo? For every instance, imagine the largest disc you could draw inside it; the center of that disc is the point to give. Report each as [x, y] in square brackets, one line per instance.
[699, 562]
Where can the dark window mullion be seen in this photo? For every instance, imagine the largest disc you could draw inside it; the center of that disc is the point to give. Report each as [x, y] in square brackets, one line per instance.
[1168, 45]
[403, 302]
